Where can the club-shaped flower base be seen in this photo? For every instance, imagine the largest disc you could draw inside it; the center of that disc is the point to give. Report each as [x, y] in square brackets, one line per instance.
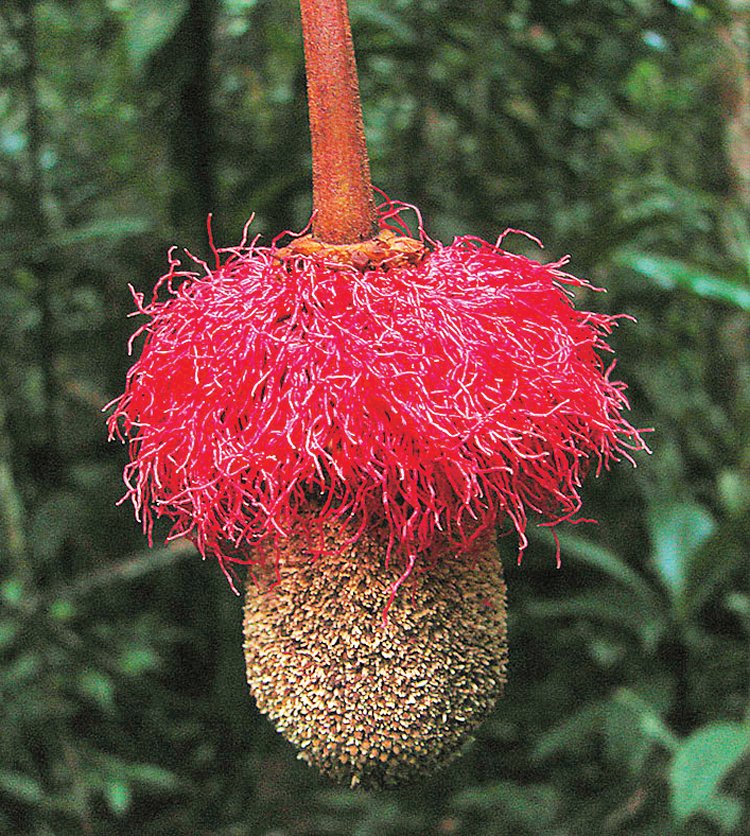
[375, 701]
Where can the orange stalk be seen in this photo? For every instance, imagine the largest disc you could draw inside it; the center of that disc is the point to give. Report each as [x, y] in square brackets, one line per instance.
[342, 189]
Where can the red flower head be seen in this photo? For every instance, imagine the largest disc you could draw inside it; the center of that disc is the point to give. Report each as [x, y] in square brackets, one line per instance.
[436, 389]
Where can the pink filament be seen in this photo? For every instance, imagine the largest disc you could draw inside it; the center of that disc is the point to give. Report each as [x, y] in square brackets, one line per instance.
[437, 398]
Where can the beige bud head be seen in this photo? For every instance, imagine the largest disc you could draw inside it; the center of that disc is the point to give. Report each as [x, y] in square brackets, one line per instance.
[367, 702]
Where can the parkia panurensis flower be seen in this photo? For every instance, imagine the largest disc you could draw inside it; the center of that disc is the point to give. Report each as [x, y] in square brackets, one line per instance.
[353, 422]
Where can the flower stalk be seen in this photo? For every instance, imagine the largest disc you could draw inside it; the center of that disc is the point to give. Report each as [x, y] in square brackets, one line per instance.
[344, 208]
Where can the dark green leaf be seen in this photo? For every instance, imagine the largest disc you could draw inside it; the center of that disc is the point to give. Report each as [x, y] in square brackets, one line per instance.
[615, 606]
[649, 720]
[529, 805]
[702, 761]
[98, 687]
[669, 274]
[725, 811]
[678, 530]
[118, 797]
[148, 25]
[151, 776]
[21, 787]
[113, 230]
[53, 522]
[570, 734]
[606, 561]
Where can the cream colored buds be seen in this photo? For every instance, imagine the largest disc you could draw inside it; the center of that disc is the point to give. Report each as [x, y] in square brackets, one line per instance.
[368, 702]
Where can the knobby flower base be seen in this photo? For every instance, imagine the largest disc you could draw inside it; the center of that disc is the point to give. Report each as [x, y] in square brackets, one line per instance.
[343, 416]
[372, 703]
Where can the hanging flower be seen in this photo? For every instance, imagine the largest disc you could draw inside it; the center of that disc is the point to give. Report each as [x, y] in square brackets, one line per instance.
[336, 416]
[352, 414]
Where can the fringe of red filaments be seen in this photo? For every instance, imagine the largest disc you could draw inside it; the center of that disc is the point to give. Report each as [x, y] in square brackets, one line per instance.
[435, 398]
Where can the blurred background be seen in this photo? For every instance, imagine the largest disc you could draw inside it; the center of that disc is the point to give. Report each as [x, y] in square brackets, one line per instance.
[615, 130]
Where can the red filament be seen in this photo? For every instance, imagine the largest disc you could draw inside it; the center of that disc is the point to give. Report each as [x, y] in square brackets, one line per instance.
[436, 399]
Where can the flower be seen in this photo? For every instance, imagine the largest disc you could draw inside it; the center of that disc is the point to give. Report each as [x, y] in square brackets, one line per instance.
[343, 417]
[436, 390]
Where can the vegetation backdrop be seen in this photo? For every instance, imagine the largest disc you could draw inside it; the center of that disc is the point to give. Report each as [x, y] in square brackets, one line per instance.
[615, 130]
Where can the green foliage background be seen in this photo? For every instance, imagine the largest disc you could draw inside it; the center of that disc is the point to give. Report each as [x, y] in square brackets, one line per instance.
[600, 126]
